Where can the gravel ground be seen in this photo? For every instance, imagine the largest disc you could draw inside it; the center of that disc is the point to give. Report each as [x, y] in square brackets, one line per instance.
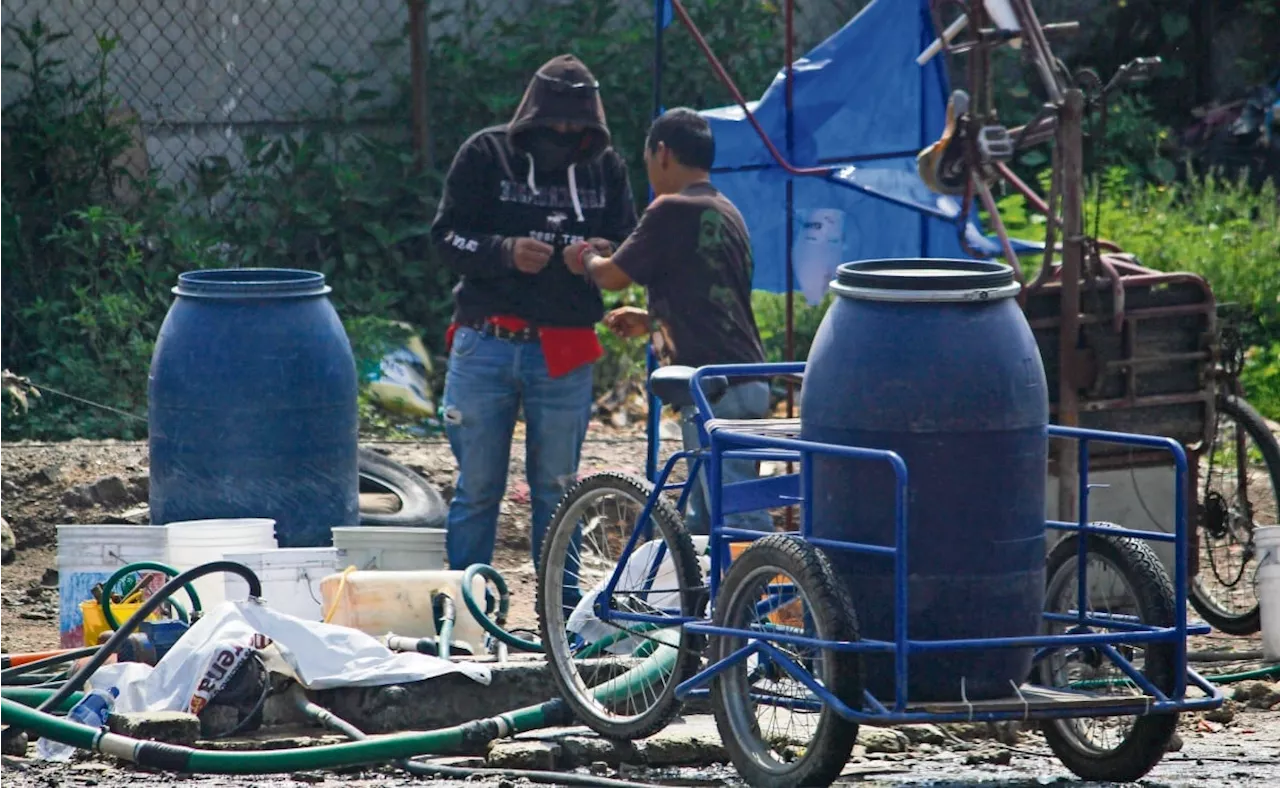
[43, 485]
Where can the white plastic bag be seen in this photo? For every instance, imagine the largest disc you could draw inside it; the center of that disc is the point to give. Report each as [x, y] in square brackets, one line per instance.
[320, 656]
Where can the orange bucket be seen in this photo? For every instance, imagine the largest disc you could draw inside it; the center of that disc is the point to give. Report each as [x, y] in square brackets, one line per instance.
[790, 614]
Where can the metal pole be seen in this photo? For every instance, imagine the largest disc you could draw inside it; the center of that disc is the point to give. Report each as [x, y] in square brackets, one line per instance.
[789, 51]
[653, 420]
[418, 85]
[1069, 142]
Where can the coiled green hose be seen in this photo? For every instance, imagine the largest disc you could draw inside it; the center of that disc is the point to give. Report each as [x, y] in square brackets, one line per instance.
[494, 626]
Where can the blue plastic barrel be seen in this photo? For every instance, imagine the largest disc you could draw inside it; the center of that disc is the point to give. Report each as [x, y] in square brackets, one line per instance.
[934, 360]
[253, 405]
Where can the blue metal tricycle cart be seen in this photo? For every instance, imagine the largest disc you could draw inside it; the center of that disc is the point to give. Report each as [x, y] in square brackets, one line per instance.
[637, 615]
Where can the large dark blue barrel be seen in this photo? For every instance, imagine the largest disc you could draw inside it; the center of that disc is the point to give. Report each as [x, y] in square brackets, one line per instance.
[253, 405]
[934, 360]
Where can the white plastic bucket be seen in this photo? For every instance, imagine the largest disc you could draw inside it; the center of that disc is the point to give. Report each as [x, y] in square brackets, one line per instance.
[196, 542]
[290, 578]
[90, 554]
[389, 549]
[1267, 541]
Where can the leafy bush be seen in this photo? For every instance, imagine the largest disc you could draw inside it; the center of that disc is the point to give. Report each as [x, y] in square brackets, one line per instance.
[85, 281]
[771, 318]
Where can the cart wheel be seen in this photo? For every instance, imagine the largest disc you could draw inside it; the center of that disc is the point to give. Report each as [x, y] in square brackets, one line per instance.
[1241, 489]
[618, 677]
[778, 733]
[1125, 578]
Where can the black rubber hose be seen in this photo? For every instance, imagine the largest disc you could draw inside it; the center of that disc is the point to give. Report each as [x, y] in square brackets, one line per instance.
[328, 719]
[1224, 656]
[122, 634]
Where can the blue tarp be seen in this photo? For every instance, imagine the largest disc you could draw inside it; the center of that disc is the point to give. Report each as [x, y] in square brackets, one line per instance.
[862, 105]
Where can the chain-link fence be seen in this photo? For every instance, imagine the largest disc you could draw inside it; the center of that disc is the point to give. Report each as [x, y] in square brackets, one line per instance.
[199, 75]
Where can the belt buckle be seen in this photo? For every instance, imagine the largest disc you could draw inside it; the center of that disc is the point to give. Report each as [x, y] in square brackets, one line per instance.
[501, 332]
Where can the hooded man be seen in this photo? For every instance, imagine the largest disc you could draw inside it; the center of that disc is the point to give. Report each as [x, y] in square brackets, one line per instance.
[523, 333]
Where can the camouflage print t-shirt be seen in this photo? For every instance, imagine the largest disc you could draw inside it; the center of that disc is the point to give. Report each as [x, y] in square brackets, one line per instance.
[692, 252]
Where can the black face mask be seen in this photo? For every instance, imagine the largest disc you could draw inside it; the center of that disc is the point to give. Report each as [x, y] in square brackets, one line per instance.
[551, 149]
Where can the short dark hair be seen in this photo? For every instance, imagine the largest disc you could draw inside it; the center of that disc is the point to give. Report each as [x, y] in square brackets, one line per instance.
[687, 135]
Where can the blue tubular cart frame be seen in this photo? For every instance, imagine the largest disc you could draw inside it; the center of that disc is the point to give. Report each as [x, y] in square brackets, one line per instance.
[723, 442]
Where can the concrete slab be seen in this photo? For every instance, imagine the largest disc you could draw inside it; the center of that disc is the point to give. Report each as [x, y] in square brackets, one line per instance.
[171, 727]
[437, 703]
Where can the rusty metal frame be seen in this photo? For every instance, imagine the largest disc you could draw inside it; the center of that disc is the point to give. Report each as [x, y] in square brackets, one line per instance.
[1086, 265]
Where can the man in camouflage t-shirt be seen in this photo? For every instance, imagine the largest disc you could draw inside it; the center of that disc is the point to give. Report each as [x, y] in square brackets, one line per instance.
[692, 252]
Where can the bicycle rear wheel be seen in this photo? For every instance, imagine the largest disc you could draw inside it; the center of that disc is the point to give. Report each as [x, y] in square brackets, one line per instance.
[1240, 490]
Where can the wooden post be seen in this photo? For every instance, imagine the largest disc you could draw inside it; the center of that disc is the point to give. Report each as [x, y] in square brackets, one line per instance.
[418, 83]
[1070, 120]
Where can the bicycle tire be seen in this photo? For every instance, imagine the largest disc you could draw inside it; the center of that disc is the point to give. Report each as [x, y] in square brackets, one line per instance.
[1147, 742]
[1248, 622]
[834, 619]
[551, 617]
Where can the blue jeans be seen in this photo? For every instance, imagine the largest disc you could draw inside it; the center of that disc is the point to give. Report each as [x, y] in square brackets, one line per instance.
[743, 401]
[489, 379]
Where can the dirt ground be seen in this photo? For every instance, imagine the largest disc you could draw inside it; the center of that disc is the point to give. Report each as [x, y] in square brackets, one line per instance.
[43, 486]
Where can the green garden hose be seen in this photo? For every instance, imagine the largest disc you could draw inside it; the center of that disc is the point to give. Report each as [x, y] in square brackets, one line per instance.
[32, 696]
[380, 750]
[1221, 678]
[144, 566]
[494, 626]
[615, 637]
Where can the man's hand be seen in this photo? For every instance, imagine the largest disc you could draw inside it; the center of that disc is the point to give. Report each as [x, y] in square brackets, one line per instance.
[574, 258]
[602, 246]
[628, 322]
[529, 255]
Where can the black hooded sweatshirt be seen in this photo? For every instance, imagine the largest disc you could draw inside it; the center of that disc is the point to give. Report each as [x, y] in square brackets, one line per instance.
[525, 180]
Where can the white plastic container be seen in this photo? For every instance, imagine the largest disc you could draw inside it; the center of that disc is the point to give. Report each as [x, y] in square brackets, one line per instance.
[1267, 541]
[196, 542]
[381, 602]
[390, 549]
[90, 554]
[290, 578]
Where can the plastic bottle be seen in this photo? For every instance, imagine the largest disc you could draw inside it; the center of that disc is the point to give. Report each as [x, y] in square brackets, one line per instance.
[92, 710]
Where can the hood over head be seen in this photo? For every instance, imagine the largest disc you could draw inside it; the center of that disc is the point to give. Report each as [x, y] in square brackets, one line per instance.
[563, 90]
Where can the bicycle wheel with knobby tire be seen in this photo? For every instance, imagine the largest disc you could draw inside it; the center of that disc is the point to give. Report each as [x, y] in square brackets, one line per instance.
[779, 733]
[619, 677]
[1124, 577]
[1245, 463]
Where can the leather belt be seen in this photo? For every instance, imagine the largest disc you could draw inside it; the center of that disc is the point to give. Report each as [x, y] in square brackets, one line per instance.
[526, 334]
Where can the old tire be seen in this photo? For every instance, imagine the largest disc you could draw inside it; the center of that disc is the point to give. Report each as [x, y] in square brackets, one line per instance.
[421, 505]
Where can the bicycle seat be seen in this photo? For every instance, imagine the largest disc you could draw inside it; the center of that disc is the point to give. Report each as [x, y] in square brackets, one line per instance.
[671, 385]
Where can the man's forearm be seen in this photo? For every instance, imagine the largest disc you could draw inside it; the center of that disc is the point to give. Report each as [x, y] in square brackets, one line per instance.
[604, 272]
